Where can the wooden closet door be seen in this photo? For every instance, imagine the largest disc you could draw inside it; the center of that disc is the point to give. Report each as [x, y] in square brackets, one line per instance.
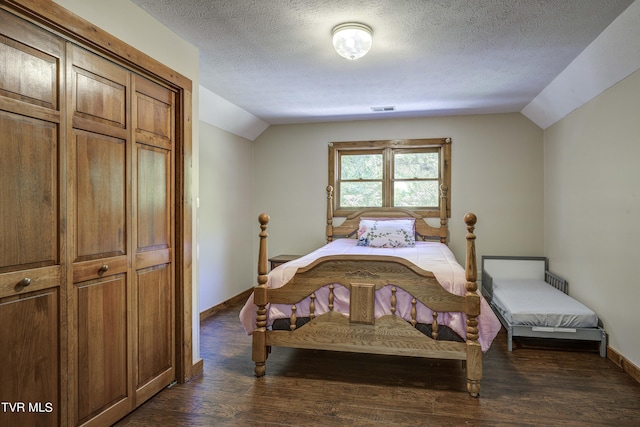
[32, 201]
[100, 295]
[154, 293]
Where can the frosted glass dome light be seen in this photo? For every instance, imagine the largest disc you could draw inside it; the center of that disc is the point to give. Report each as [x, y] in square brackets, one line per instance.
[352, 40]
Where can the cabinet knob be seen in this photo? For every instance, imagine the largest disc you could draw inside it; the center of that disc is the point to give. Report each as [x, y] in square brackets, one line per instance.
[24, 282]
[103, 269]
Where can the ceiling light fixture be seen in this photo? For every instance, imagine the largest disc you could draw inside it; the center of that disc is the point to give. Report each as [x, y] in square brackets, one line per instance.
[352, 40]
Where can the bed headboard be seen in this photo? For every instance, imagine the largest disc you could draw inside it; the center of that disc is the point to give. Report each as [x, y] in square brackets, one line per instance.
[518, 268]
[351, 223]
[515, 267]
[511, 268]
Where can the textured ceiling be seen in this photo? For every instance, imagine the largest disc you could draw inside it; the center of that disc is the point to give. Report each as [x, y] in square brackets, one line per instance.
[274, 58]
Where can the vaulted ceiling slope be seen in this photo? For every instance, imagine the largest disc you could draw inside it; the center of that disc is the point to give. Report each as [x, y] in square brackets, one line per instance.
[274, 59]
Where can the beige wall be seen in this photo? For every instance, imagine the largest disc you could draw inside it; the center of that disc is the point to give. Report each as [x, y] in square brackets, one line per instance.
[496, 173]
[592, 207]
[225, 216]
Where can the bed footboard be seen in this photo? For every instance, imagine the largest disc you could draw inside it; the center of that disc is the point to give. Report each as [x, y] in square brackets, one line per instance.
[360, 331]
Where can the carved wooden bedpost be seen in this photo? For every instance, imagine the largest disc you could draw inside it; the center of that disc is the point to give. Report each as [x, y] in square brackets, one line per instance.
[474, 351]
[259, 351]
[443, 213]
[329, 231]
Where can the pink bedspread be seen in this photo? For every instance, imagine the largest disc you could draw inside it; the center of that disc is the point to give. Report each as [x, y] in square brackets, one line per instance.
[431, 256]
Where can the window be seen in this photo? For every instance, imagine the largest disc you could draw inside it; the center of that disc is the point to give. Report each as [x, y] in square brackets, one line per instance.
[391, 173]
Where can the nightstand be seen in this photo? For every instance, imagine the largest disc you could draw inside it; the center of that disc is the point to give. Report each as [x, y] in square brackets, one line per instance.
[281, 259]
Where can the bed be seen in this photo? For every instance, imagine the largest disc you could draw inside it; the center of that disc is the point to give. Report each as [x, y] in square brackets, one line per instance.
[530, 301]
[350, 295]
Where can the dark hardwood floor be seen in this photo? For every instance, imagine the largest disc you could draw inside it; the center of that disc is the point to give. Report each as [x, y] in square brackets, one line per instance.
[538, 384]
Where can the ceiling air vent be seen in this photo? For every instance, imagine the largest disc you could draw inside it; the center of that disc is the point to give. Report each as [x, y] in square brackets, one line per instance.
[383, 109]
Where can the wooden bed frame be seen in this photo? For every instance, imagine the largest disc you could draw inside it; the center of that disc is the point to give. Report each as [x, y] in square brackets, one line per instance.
[360, 332]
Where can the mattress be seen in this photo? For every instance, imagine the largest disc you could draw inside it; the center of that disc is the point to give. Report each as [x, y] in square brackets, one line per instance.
[531, 302]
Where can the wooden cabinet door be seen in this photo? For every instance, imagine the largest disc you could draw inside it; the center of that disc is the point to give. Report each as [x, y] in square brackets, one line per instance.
[99, 307]
[87, 234]
[32, 198]
[122, 301]
[154, 235]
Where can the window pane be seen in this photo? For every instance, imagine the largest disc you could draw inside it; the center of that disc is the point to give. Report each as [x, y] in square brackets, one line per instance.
[416, 165]
[361, 166]
[360, 194]
[416, 194]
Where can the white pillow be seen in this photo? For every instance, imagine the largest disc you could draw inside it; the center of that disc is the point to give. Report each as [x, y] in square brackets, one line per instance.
[387, 233]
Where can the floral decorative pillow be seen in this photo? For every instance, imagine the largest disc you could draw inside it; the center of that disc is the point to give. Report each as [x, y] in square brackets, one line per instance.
[388, 233]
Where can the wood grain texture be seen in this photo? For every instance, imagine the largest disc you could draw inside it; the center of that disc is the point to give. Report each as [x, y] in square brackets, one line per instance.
[69, 26]
[379, 270]
[153, 200]
[28, 75]
[32, 228]
[29, 176]
[183, 202]
[390, 335]
[100, 196]
[385, 149]
[360, 332]
[154, 111]
[153, 192]
[29, 368]
[362, 303]
[540, 384]
[69, 93]
[123, 228]
[624, 363]
[102, 364]
[100, 311]
[155, 331]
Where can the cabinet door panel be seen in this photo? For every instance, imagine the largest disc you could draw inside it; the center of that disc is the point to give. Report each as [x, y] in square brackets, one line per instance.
[29, 192]
[100, 310]
[99, 89]
[101, 229]
[29, 363]
[154, 117]
[28, 75]
[32, 234]
[154, 293]
[102, 361]
[154, 114]
[99, 99]
[29, 62]
[153, 171]
[155, 323]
